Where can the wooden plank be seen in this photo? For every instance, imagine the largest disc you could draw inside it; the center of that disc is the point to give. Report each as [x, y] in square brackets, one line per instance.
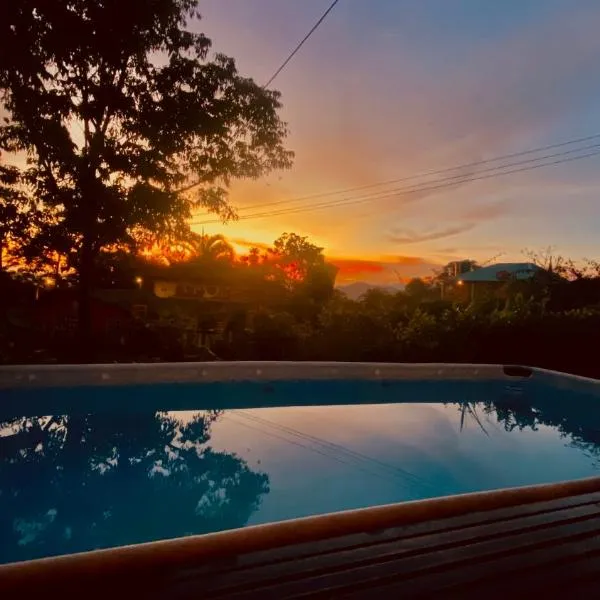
[470, 519]
[254, 560]
[581, 590]
[546, 567]
[551, 579]
[412, 566]
[433, 542]
[357, 558]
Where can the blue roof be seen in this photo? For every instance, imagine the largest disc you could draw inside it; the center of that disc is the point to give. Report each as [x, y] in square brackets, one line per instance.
[501, 272]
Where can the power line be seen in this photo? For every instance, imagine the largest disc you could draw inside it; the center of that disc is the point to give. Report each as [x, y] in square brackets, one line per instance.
[416, 190]
[441, 184]
[297, 48]
[191, 186]
[311, 448]
[432, 185]
[426, 173]
[423, 174]
[457, 179]
[333, 447]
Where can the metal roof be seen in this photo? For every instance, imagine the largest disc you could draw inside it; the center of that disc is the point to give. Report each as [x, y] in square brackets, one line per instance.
[501, 272]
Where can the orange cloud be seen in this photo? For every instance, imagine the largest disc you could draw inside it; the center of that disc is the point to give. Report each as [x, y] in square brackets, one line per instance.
[407, 236]
[389, 269]
[406, 261]
[350, 267]
[250, 244]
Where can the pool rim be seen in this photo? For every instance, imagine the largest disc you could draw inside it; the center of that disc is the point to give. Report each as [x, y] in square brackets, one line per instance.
[17, 377]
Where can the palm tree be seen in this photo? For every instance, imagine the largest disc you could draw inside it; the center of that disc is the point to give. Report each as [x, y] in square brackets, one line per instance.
[210, 248]
[197, 248]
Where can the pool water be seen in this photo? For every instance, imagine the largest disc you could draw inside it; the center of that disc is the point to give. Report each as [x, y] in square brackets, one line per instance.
[117, 466]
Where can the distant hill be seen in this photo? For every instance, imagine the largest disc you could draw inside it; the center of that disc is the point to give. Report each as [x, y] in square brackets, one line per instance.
[358, 288]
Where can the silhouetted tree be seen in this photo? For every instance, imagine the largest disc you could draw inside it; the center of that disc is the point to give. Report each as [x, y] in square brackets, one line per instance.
[448, 272]
[301, 267]
[129, 127]
[296, 256]
[210, 247]
[418, 289]
[119, 269]
[195, 248]
[13, 221]
[554, 265]
[254, 257]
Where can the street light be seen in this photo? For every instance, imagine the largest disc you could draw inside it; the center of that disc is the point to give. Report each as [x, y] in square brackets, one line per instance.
[49, 282]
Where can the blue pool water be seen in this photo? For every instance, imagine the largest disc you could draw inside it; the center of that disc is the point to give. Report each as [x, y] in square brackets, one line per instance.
[101, 467]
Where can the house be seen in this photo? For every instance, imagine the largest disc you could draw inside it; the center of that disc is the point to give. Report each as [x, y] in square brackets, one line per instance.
[501, 272]
[494, 276]
[197, 302]
[200, 289]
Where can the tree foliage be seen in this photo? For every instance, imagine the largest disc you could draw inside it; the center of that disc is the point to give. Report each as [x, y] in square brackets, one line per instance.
[449, 271]
[211, 247]
[122, 111]
[13, 207]
[300, 265]
[296, 255]
[418, 288]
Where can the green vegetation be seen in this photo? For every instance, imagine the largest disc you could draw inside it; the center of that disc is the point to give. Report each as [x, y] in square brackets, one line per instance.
[120, 125]
[282, 305]
[543, 325]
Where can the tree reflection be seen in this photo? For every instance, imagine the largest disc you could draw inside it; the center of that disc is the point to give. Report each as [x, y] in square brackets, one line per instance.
[470, 409]
[78, 482]
[574, 417]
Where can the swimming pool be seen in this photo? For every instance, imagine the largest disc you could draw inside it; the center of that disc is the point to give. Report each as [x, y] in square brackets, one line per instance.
[104, 456]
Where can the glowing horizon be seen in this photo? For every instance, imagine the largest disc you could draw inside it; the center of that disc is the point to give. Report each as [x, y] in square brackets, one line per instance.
[489, 81]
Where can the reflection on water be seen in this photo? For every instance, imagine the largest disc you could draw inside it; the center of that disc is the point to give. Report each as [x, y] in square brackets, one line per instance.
[75, 482]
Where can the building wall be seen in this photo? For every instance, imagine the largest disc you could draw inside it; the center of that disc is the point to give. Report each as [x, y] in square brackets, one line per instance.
[165, 289]
[190, 290]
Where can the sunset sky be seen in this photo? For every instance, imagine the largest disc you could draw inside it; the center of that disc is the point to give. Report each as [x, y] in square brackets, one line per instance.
[391, 88]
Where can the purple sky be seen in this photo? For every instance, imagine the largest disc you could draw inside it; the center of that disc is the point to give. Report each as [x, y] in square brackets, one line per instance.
[388, 89]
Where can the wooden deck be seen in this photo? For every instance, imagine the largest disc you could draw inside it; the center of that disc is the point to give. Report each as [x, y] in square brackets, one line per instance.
[524, 550]
[543, 540]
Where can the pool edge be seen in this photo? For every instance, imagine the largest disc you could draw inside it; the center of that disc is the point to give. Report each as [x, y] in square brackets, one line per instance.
[40, 376]
[188, 551]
